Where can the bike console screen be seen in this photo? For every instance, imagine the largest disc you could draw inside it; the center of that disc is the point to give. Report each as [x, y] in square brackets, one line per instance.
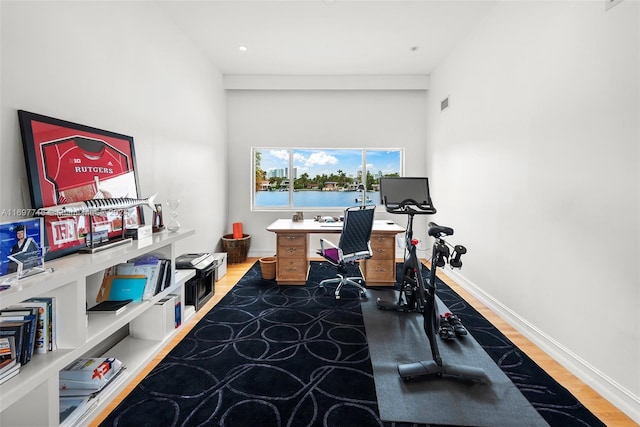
[401, 195]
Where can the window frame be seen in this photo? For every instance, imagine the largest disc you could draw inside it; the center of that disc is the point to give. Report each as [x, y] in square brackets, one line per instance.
[364, 171]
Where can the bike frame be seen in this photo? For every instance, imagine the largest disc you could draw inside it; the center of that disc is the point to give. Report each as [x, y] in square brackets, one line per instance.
[426, 292]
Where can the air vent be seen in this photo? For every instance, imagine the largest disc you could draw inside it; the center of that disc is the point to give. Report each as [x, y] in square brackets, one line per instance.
[444, 104]
[611, 3]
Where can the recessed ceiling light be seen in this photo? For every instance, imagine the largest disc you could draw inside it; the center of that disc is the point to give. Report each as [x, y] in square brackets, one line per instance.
[242, 48]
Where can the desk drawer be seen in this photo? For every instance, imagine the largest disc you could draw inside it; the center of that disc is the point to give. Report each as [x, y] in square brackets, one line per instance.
[380, 272]
[292, 269]
[292, 240]
[298, 252]
[383, 252]
[383, 246]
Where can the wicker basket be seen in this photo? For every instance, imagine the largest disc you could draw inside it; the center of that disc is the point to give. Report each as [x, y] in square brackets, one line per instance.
[268, 267]
[236, 249]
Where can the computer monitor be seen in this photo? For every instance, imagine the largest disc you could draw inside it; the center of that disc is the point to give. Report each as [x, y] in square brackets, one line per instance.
[397, 193]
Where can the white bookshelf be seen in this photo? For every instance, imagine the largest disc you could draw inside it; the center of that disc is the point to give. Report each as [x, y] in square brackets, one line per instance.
[73, 282]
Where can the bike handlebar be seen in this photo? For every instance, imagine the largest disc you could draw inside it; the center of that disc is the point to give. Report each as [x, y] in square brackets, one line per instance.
[410, 206]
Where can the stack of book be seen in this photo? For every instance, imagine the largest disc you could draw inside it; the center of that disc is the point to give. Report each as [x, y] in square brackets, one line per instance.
[26, 329]
[9, 365]
[20, 324]
[46, 331]
[30, 325]
[82, 383]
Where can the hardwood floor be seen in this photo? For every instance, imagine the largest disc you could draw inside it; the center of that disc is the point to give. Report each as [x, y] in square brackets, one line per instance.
[602, 408]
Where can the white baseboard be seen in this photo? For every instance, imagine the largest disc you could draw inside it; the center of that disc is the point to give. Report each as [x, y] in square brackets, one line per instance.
[618, 395]
[260, 254]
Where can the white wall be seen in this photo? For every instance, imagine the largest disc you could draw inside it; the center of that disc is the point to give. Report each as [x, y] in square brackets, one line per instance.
[123, 67]
[535, 165]
[318, 119]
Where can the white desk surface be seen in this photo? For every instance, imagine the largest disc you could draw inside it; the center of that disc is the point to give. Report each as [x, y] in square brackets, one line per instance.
[311, 226]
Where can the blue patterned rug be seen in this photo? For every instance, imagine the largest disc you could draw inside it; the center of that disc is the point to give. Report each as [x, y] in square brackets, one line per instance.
[294, 356]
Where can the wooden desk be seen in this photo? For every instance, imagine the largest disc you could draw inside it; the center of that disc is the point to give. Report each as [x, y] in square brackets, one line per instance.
[292, 247]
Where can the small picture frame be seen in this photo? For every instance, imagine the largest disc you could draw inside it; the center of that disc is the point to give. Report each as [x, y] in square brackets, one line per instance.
[158, 222]
[21, 247]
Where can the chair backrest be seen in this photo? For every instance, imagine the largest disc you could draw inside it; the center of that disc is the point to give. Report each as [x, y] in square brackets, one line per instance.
[356, 230]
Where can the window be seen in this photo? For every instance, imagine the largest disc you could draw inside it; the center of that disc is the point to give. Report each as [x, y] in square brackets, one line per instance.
[299, 178]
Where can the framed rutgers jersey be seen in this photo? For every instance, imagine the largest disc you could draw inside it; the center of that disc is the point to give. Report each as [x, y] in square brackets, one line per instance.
[68, 162]
[74, 165]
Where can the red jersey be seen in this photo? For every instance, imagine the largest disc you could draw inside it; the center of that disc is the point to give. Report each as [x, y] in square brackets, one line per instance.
[74, 163]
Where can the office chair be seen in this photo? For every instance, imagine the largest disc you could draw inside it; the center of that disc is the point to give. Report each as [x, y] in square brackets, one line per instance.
[354, 245]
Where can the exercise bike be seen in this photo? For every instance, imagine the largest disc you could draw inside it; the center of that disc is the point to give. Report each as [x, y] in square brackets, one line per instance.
[400, 196]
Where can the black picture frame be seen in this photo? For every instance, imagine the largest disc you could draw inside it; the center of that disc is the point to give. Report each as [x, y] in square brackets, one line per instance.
[69, 162]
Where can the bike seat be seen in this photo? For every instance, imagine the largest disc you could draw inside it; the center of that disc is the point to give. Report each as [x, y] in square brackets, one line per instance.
[436, 230]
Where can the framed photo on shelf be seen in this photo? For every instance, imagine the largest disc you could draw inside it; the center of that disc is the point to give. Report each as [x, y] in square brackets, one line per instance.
[69, 162]
[21, 245]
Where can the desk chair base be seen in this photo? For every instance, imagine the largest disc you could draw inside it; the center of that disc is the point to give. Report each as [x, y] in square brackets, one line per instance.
[341, 281]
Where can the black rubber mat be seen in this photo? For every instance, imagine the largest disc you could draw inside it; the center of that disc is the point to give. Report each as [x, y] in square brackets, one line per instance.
[397, 338]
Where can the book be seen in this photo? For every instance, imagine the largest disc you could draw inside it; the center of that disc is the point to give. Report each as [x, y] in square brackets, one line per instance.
[15, 330]
[122, 287]
[113, 383]
[7, 355]
[168, 275]
[178, 313]
[6, 365]
[12, 372]
[90, 374]
[51, 319]
[42, 324]
[150, 265]
[162, 276]
[110, 307]
[7, 348]
[72, 409]
[29, 315]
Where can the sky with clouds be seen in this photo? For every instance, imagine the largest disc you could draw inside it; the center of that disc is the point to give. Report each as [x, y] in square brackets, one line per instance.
[328, 161]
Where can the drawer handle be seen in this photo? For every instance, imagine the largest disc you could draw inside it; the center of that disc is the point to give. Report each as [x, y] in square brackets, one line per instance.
[291, 250]
[291, 237]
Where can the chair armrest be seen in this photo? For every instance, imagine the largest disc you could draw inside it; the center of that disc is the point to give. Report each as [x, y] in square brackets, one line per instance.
[330, 251]
[357, 256]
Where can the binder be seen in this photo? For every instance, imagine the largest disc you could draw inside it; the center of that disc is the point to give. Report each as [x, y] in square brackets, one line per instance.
[110, 306]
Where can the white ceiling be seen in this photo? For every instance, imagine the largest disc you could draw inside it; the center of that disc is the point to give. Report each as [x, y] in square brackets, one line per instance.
[327, 37]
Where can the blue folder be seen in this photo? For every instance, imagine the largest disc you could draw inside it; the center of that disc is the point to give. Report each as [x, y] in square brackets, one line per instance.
[122, 287]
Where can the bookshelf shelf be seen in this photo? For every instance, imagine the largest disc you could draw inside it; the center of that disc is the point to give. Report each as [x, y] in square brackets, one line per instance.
[74, 282]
